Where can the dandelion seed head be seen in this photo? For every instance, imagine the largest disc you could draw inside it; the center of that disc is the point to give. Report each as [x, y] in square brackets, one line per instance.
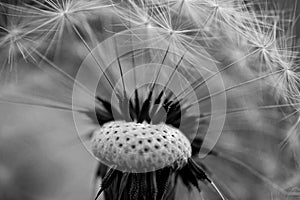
[63, 13]
[214, 4]
[14, 32]
[17, 40]
[288, 84]
[54, 19]
[141, 147]
[285, 59]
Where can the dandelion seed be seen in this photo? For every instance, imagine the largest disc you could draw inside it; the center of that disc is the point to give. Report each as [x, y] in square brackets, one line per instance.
[162, 25]
[288, 81]
[16, 40]
[57, 18]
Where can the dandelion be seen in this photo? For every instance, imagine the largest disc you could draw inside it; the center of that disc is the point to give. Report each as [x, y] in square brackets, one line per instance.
[159, 23]
[16, 39]
[55, 19]
[179, 95]
[286, 58]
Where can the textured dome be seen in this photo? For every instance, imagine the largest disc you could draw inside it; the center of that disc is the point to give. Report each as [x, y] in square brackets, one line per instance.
[140, 147]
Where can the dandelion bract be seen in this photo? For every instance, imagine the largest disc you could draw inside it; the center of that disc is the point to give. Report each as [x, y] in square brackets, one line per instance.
[172, 99]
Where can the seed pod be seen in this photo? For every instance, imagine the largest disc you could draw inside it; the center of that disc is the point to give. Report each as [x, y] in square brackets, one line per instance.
[140, 147]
